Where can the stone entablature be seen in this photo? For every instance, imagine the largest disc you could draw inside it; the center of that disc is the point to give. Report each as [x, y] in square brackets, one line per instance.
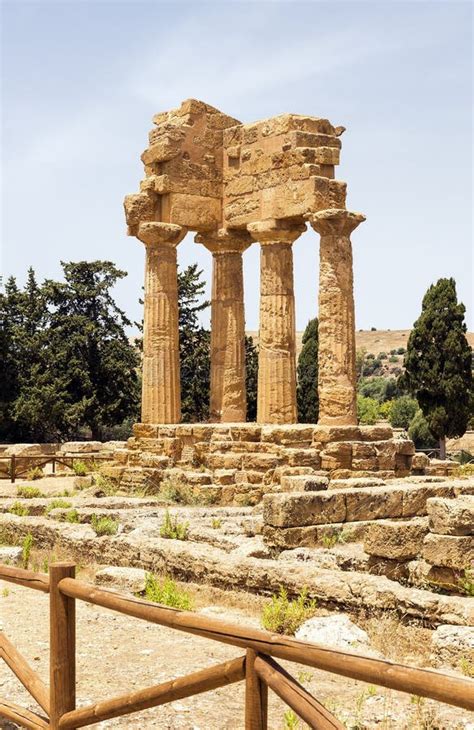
[234, 184]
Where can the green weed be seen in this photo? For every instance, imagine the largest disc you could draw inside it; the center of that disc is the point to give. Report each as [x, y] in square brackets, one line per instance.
[26, 546]
[104, 525]
[167, 592]
[29, 492]
[284, 616]
[173, 529]
[19, 509]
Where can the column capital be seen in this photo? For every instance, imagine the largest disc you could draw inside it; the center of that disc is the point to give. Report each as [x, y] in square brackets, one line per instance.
[156, 233]
[276, 231]
[224, 240]
[335, 221]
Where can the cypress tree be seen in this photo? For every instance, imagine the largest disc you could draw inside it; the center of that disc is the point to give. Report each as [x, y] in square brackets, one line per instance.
[307, 392]
[251, 380]
[194, 346]
[438, 363]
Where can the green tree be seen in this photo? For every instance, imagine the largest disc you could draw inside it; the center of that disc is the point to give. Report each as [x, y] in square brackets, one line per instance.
[402, 411]
[251, 380]
[382, 389]
[80, 371]
[194, 346]
[438, 363]
[307, 393]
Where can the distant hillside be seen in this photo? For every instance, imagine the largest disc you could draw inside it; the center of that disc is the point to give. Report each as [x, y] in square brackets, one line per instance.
[373, 342]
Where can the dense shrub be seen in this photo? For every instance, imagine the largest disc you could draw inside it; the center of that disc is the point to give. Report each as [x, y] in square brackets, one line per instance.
[402, 412]
[367, 410]
[420, 433]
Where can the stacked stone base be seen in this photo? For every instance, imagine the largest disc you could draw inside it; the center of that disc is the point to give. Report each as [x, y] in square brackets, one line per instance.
[238, 463]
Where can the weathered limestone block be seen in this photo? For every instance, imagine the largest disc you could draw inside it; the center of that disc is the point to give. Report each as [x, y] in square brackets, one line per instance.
[228, 395]
[277, 347]
[301, 457]
[84, 447]
[415, 498]
[451, 516]
[328, 434]
[298, 510]
[396, 540]
[161, 397]
[336, 455]
[296, 433]
[376, 433]
[373, 503]
[304, 483]
[453, 646]
[336, 376]
[420, 462]
[451, 551]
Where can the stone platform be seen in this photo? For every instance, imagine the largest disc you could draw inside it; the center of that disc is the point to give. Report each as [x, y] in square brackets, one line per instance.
[238, 463]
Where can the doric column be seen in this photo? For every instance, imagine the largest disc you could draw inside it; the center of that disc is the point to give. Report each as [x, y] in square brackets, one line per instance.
[228, 393]
[161, 396]
[337, 373]
[277, 347]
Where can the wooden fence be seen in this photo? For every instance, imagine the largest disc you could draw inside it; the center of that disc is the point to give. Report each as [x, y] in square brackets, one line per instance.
[257, 667]
[13, 466]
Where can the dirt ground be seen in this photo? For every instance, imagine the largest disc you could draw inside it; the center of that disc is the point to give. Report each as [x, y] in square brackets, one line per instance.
[117, 654]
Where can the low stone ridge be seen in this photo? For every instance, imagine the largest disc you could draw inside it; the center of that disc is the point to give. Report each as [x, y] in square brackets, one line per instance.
[190, 560]
[452, 516]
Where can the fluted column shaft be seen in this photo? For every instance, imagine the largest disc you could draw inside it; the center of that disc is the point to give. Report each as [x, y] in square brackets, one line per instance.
[161, 393]
[276, 401]
[228, 402]
[337, 350]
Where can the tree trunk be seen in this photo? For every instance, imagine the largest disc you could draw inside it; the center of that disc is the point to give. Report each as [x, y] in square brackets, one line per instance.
[442, 447]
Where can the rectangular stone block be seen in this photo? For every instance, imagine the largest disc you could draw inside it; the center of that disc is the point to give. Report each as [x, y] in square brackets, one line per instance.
[415, 498]
[374, 503]
[193, 211]
[396, 540]
[451, 551]
[303, 483]
[327, 434]
[298, 510]
[451, 516]
[260, 462]
[336, 455]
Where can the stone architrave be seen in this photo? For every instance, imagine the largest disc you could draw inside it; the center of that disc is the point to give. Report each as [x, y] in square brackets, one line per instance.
[161, 393]
[228, 402]
[337, 373]
[276, 401]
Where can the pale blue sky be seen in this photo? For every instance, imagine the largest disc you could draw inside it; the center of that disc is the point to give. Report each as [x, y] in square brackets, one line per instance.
[81, 81]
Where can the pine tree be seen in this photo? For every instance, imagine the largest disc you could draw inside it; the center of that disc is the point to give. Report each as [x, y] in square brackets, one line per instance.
[438, 363]
[251, 380]
[307, 393]
[194, 346]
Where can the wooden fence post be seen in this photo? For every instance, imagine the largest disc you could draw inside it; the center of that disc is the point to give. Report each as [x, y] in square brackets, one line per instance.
[12, 468]
[62, 662]
[256, 696]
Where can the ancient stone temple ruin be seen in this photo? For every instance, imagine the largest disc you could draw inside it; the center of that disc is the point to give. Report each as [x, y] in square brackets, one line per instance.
[237, 185]
[234, 185]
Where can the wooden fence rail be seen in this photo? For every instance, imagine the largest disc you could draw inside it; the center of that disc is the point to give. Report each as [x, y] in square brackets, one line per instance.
[257, 667]
[14, 466]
